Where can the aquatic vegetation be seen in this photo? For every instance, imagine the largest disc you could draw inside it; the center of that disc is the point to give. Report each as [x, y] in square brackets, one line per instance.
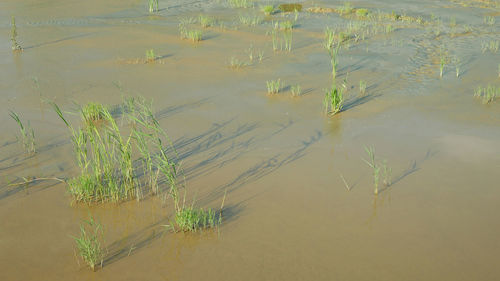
[92, 112]
[491, 46]
[489, 20]
[286, 25]
[346, 9]
[206, 21]
[191, 219]
[153, 6]
[375, 168]
[273, 86]
[250, 20]
[261, 57]
[27, 134]
[150, 56]
[362, 12]
[88, 243]
[291, 7]
[105, 156]
[487, 94]
[13, 35]
[267, 9]
[235, 63]
[296, 90]
[362, 87]
[282, 37]
[456, 62]
[333, 102]
[387, 172]
[240, 3]
[191, 34]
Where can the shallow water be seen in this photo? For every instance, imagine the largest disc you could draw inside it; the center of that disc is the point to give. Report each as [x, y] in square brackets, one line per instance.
[288, 214]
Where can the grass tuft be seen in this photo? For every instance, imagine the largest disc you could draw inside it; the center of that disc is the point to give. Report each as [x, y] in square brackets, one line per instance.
[273, 86]
[333, 101]
[88, 243]
[267, 9]
[13, 36]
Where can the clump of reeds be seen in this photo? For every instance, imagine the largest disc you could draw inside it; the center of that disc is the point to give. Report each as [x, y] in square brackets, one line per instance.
[88, 243]
[105, 156]
[296, 90]
[235, 63]
[92, 112]
[240, 3]
[191, 34]
[487, 94]
[250, 20]
[282, 35]
[206, 21]
[333, 49]
[273, 86]
[27, 134]
[13, 36]
[333, 102]
[267, 9]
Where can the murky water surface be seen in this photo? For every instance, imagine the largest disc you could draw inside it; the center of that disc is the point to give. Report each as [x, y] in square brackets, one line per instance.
[288, 214]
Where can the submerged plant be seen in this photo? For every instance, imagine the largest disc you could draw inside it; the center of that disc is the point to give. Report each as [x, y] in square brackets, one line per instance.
[27, 134]
[13, 36]
[88, 243]
[333, 101]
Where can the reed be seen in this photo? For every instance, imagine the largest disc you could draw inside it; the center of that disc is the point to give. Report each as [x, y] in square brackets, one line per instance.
[13, 35]
[206, 21]
[333, 101]
[362, 87]
[296, 90]
[153, 6]
[273, 86]
[375, 168]
[88, 243]
[150, 56]
[27, 134]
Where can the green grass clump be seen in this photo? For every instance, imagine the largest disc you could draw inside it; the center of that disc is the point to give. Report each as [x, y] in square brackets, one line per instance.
[250, 20]
[27, 134]
[296, 90]
[282, 35]
[150, 56]
[267, 9]
[273, 86]
[190, 34]
[206, 21]
[240, 3]
[235, 63]
[13, 35]
[106, 156]
[487, 94]
[491, 46]
[88, 243]
[191, 219]
[287, 8]
[333, 101]
[362, 12]
[153, 6]
[346, 9]
[92, 112]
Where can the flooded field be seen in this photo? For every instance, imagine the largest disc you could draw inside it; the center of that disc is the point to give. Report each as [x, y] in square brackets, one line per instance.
[330, 140]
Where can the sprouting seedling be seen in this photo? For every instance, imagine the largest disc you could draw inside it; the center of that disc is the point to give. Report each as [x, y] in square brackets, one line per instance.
[375, 168]
[250, 53]
[13, 36]
[261, 57]
[27, 134]
[442, 62]
[153, 6]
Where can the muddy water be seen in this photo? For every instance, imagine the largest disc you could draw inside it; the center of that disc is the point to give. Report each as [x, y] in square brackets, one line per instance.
[288, 214]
